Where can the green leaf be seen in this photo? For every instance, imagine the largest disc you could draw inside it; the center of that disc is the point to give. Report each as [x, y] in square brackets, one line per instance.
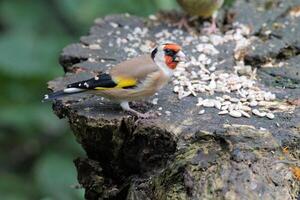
[28, 55]
[12, 187]
[55, 175]
[31, 119]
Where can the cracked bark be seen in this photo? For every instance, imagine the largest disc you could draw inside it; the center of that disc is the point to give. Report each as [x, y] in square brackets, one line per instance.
[185, 155]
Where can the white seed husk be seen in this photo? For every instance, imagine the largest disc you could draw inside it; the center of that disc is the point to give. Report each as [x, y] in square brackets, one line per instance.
[258, 113]
[225, 107]
[224, 112]
[253, 103]
[234, 100]
[235, 113]
[218, 104]
[208, 103]
[245, 114]
[201, 112]
[270, 115]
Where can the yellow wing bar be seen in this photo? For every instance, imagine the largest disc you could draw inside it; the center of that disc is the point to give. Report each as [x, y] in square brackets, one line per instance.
[121, 83]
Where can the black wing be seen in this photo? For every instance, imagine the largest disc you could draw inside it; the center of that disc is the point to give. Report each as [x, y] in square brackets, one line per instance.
[101, 80]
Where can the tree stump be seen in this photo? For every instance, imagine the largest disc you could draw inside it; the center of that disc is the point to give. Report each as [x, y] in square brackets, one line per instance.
[183, 154]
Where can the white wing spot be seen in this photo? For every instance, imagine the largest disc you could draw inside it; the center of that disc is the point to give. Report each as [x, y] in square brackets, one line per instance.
[86, 85]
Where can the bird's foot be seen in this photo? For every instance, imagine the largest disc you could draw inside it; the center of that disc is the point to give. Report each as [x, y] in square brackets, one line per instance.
[184, 23]
[148, 115]
[212, 29]
[143, 117]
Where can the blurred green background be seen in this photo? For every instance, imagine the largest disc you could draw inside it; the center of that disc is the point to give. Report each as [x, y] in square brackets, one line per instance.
[37, 148]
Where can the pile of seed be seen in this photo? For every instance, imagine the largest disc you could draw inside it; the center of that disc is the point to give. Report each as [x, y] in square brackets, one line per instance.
[233, 92]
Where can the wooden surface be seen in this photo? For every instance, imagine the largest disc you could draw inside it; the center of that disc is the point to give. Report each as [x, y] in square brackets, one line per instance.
[184, 155]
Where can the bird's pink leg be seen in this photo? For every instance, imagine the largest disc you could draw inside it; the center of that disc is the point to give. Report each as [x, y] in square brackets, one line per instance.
[183, 23]
[213, 27]
[126, 107]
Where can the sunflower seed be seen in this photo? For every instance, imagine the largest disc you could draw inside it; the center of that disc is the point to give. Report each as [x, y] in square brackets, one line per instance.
[218, 105]
[258, 113]
[253, 103]
[220, 99]
[201, 112]
[226, 97]
[245, 108]
[176, 89]
[270, 115]
[225, 107]
[209, 103]
[224, 112]
[245, 114]
[235, 113]
[226, 103]
[200, 102]
[234, 100]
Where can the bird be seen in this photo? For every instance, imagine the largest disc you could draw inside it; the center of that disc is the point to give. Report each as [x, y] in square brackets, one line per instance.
[131, 80]
[201, 8]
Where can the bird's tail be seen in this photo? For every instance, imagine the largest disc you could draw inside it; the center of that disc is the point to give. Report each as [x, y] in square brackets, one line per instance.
[62, 93]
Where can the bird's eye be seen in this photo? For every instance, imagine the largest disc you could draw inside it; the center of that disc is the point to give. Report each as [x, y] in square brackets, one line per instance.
[170, 52]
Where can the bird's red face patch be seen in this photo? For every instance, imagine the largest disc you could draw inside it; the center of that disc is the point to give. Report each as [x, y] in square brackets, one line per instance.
[170, 62]
[171, 51]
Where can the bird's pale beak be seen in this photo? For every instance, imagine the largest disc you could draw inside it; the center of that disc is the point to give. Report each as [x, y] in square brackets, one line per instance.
[181, 57]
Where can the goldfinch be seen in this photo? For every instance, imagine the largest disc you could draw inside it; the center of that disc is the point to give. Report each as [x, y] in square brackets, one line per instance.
[131, 80]
[202, 8]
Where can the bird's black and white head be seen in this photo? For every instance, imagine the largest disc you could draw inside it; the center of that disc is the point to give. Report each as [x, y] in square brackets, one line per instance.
[167, 56]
